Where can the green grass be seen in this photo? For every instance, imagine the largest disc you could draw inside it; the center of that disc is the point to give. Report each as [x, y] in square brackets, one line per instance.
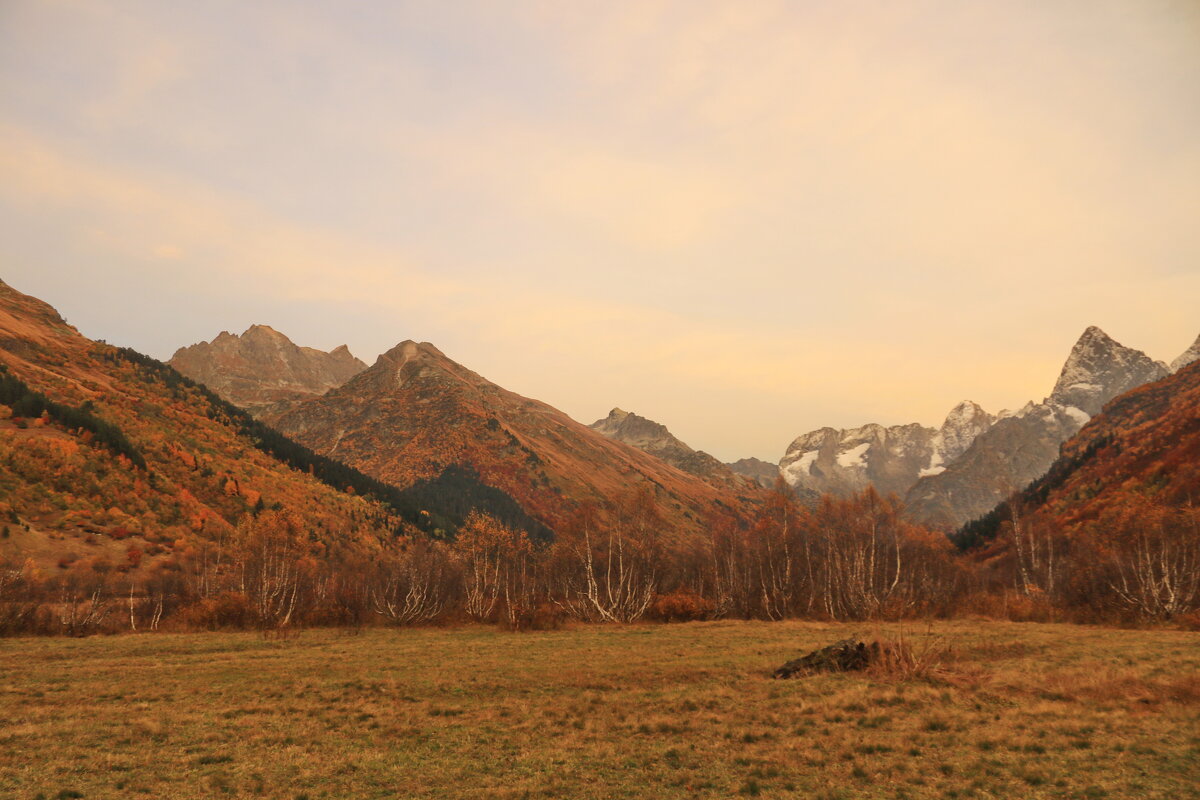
[1015, 710]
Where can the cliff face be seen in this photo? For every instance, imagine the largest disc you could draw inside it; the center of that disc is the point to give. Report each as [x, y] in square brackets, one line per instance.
[263, 368]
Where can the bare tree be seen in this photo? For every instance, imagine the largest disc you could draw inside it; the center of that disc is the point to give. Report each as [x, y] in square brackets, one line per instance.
[412, 585]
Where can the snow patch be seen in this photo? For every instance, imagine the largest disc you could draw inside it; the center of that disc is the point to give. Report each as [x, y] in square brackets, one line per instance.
[794, 472]
[1077, 414]
[936, 467]
[854, 456]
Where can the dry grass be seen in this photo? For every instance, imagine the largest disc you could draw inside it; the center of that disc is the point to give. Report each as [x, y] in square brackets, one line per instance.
[974, 709]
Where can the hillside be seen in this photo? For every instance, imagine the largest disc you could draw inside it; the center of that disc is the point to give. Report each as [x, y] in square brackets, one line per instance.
[415, 414]
[111, 458]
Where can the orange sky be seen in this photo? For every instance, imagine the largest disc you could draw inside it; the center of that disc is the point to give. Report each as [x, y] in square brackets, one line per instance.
[745, 220]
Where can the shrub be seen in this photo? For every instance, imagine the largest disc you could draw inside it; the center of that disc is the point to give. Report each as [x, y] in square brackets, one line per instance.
[227, 610]
[681, 606]
[540, 617]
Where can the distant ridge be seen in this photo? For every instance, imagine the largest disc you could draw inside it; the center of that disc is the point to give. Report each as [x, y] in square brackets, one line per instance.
[655, 439]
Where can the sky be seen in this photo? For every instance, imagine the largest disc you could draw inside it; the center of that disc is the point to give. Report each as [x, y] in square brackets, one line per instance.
[743, 219]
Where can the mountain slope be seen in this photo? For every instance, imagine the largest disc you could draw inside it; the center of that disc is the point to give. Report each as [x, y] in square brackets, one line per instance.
[654, 438]
[415, 413]
[262, 367]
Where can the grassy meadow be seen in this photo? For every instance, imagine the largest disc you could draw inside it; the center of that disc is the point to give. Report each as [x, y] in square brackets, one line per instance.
[666, 711]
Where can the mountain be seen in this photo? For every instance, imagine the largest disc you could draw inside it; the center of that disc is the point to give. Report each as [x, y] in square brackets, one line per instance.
[654, 438]
[416, 413]
[262, 368]
[1187, 356]
[890, 459]
[1013, 452]
[104, 452]
[1143, 449]
[1021, 446]
[1098, 369]
[763, 473]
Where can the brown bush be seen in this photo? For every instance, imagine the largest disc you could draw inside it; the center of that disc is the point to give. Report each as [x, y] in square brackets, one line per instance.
[134, 556]
[681, 606]
[540, 617]
[227, 610]
[1188, 622]
[1010, 605]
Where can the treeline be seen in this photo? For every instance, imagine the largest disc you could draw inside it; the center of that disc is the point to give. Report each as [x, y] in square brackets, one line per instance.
[437, 506]
[29, 404]
[844, 559]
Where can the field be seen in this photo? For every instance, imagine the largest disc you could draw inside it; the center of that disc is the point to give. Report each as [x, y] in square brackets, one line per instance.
[1013, 710]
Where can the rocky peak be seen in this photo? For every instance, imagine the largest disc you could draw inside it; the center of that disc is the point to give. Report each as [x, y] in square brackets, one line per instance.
[654, 438]
[410, 363]
[1021, 445]
[764, 473]
[1098, 369]
[1187, 356]
[264, 332]
[963, 424]
[637, 431]
[262, 367]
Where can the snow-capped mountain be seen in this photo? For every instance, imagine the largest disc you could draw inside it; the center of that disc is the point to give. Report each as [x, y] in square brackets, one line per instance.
[960, 471]
[892, 459]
